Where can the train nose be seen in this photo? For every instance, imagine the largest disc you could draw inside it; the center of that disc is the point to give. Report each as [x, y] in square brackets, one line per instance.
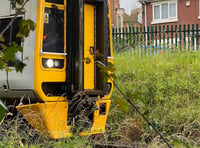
[49, 118]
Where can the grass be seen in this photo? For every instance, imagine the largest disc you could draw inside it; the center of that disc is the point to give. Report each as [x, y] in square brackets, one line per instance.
[164, 87]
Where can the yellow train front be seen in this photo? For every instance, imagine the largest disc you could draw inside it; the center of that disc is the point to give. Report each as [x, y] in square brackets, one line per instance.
[66, 87]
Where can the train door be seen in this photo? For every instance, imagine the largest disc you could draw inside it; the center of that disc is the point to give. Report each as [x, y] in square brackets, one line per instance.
[89, 47]
[87, 44]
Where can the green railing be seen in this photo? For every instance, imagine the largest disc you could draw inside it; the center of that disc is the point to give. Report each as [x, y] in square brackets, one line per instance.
[182, 37]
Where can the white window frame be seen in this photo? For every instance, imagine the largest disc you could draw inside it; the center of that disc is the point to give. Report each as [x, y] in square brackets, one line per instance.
[169, 19]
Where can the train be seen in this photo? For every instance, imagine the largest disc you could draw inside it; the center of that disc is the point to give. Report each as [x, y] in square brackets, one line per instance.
[61, 88]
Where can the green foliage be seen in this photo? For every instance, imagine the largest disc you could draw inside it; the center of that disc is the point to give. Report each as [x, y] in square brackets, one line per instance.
[8, 52]
[165, 88]
[25, 27]
[105, 70]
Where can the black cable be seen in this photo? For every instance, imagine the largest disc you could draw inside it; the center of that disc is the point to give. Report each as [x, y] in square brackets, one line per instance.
[129, 101]
[147, 120]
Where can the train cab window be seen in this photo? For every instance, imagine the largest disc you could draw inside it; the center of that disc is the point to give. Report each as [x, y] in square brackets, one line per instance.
[53, 35]
[56, 1]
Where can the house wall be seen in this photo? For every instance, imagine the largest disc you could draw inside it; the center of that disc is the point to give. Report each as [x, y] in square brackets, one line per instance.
[186, 14]
[114, 5]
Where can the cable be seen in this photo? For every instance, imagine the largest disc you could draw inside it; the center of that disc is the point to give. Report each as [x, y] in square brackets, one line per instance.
[129, 101]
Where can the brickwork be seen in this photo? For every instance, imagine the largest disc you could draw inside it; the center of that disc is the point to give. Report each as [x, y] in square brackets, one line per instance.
[114, 5]
[186, 14]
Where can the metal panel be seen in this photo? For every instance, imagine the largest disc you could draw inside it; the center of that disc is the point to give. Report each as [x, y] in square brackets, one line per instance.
[3, 82]
[25, 80]
[5, 8]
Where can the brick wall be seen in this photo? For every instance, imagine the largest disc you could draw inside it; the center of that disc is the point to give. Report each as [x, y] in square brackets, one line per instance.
[114, 5]
[186, 14]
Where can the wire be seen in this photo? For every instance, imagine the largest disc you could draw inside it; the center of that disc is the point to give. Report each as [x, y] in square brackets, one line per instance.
[129, 101]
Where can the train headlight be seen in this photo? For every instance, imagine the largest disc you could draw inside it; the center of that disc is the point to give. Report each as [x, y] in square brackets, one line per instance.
[50, 63]
[53, 63]
[56, 63]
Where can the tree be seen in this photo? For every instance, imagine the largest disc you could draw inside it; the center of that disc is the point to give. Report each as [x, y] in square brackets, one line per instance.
[8, 51]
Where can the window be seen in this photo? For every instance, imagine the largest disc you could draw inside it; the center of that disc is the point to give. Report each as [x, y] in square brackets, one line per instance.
[172, 10]
[53, 36]
[10, 34]
[157, 12]
[164, 12]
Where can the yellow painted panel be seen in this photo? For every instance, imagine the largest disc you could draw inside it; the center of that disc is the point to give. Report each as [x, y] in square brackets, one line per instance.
[88, 44]
[50, 119]
[41, 74]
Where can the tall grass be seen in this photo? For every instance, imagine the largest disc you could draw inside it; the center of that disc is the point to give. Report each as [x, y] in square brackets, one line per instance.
[167, 89]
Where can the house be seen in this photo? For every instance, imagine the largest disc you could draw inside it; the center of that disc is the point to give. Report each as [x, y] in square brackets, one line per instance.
[114, 6]
[174, 19]
[136, 16]
[170, 12]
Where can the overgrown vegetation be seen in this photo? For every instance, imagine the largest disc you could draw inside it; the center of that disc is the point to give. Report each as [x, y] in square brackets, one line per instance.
[166, 88]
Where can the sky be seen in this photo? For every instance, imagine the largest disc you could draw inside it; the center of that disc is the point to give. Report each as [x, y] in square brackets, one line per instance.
[129, 5]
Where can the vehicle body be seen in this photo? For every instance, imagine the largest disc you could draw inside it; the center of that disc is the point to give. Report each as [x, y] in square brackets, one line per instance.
[70, 38]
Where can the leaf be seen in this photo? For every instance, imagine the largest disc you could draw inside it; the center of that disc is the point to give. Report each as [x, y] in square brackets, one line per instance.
[107, 70]
[122, 105]
[25, 27]
[20, 2]
[1, 64]
[2, 39]
[178, 142]
[19, 65]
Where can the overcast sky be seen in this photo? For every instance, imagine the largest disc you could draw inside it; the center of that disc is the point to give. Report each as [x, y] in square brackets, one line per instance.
[129, 5]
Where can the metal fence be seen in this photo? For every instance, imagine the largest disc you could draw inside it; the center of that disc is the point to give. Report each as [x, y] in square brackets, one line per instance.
[182, 37]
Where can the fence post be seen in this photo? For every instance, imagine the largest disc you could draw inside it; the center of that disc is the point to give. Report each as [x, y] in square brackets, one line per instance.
[137, 36]
[152, 38]
[145, 38]
[123, 36]
[133, 37]
[160, 36]
[130, 36]
[189, 37]
[163, 37]
[148, 37]
[193, 36]
[116, 34]
[156, 37]
[197, 30]
[180, 38]
[176, 35]
[172, 37]
[167, 37]
[113, 39]
[141, 39]
[120, 37]
[127, 37]
[184, 36]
